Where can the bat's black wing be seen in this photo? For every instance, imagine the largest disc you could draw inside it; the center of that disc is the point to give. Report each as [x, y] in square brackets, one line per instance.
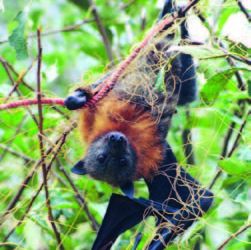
[176, 200]
[122, 213]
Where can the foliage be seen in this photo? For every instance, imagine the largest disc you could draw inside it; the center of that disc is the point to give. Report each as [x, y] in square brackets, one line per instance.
[74, 53]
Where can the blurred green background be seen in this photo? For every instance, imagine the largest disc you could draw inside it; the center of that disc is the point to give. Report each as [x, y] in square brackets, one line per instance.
[77, 54]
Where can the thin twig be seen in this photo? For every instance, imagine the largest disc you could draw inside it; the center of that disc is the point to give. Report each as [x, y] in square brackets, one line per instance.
[69, 28]
[39, 189]
[102, 31]
[241, 84]
[29, 177]
[233, 148]
[27, 210]
[19, 80]
[227, 139]
[244, 10]
[143, 19]
[187, 143]
[41, 144]
[239, 113]
[234, 235]
[237, 140]
[17, 154]
[81, 200]
[7, 68]
[241, 59]
[8, 144]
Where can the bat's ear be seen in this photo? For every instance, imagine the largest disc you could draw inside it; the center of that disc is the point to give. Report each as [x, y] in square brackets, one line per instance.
[128, 189]
[79, 168]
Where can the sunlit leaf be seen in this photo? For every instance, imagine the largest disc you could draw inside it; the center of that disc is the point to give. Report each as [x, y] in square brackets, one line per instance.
[236, 167]
[216, 84]
[199, 51]
[17, 38]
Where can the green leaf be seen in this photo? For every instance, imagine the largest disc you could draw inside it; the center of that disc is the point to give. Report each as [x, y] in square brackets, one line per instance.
[17, 38]
[236, 167]
[199, 51]
[216, 84]
[159, 85]
[224, 15]
[249, 87]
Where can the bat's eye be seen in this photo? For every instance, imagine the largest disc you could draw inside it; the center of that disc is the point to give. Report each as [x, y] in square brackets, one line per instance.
[101, 158]
[122, 161]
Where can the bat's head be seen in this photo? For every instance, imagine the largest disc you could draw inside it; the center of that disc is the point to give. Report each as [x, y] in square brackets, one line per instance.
[122, 140]
[110, 158]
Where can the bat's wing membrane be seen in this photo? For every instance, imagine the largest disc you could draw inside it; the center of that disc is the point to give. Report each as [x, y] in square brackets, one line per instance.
[176, 200]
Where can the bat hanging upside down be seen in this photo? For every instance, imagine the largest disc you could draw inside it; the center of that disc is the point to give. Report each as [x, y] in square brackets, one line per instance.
[126, 137]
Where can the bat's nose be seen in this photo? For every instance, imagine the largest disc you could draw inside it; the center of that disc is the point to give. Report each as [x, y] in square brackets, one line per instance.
[117, 142]
[117, 137]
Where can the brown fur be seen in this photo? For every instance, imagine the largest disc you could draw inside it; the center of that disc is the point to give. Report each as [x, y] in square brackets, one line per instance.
[113, 114]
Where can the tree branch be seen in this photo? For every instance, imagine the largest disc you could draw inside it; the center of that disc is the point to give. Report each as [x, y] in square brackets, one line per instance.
[41, 144]
[6, 66]
[8, 144]
[20, 79]
[29, 177]
[102, 31]
[187, 143]
[69, 28]
[234, 235]
[244, 10]
[15, 153]
[81, 200]
[234, 146]
[48, 168]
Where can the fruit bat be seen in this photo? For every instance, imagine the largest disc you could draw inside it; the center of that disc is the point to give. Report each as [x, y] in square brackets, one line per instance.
[126, 134]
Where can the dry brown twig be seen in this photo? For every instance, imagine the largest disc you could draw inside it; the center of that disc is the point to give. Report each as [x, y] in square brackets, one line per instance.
[41, 144]
[57, 151]
[81, 200]
[102, 30]
[234, 235]
[69, 28]
[7, 68]
[17, 154]
[29, 177]
[19, 80]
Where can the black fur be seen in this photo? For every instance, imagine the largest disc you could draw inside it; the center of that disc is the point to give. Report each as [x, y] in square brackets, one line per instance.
[188, 91]
[110, 158]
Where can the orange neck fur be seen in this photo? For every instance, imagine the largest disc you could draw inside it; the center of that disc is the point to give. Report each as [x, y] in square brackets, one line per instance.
[112, 114]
